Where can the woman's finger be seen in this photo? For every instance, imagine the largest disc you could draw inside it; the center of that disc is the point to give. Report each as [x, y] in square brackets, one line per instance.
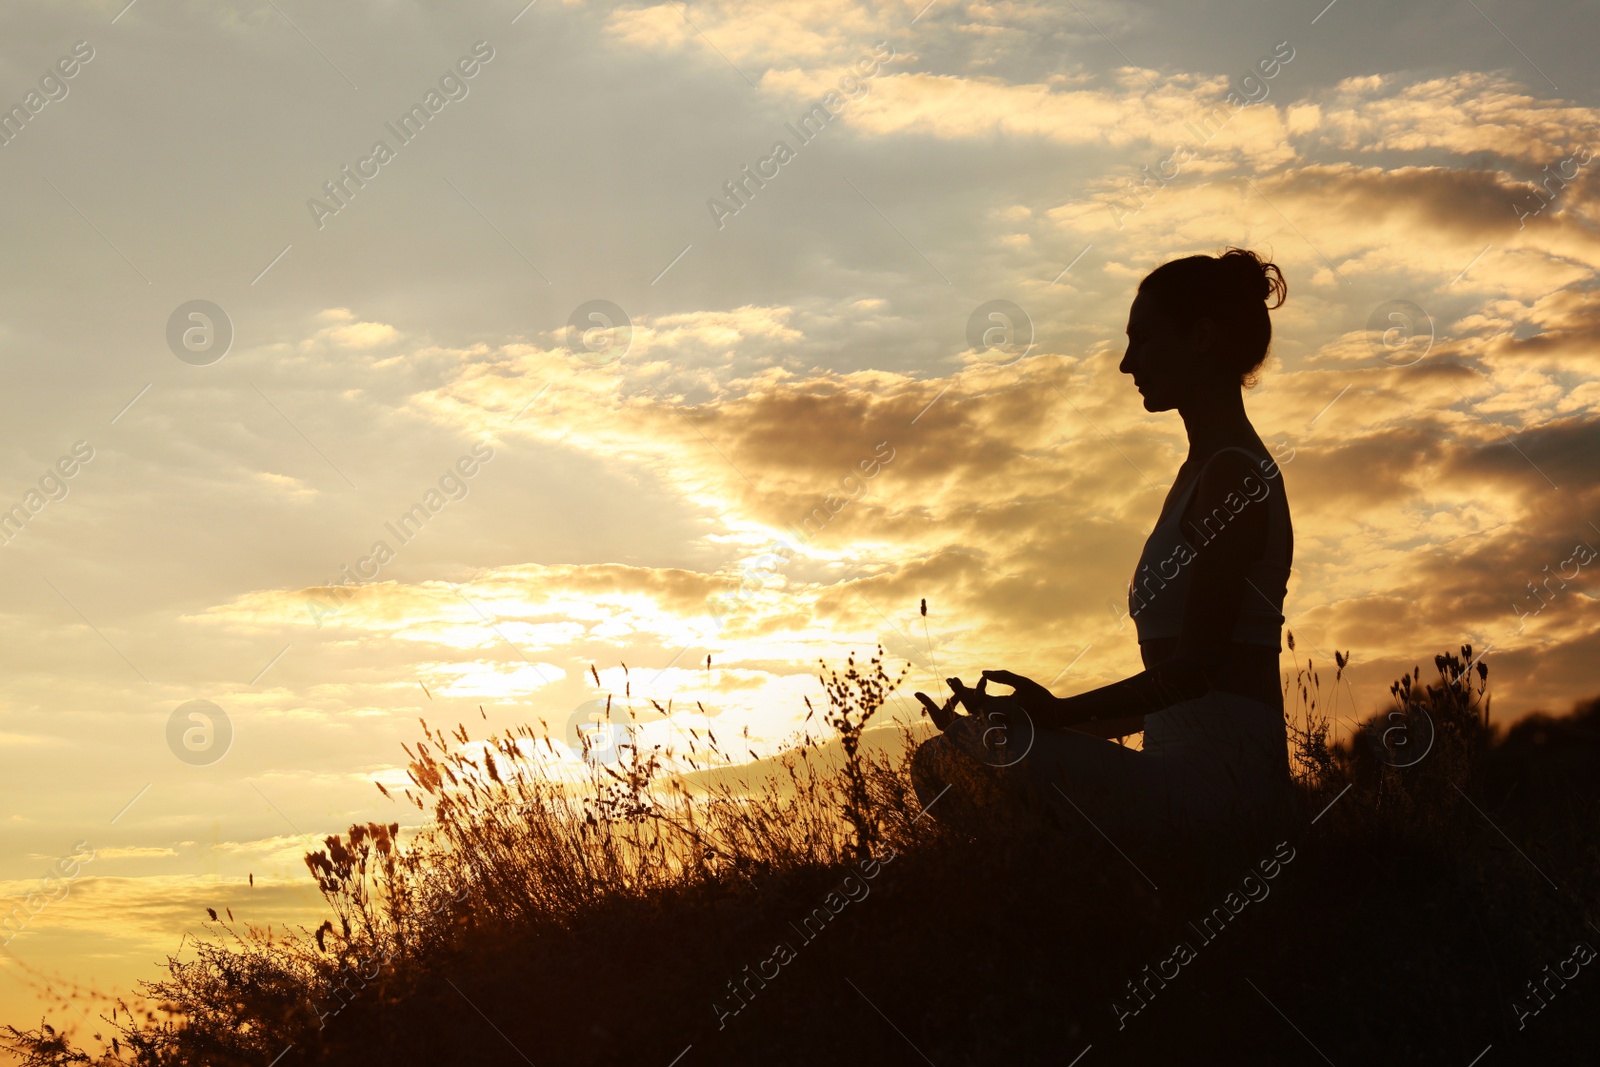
[941, 716]
[1010, 678]
[970, 699]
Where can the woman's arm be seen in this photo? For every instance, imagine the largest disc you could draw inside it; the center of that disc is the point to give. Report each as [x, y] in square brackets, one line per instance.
[1118, 709]
[1111, 729]
[1232, 533]
[1114, 710]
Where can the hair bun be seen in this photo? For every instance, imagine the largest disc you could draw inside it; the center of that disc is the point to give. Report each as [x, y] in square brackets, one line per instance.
[1260, 278]
[1230, 289]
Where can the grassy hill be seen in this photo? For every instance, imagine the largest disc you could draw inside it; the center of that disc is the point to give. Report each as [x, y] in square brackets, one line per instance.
[1432, 896]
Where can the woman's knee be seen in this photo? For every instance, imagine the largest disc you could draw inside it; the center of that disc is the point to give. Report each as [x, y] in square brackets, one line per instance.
[945, 764]
[930, 768]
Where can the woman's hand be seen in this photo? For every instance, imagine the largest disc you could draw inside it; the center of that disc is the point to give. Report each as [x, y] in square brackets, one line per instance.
[976, 701]
[941, 716]
[1034, 699]
[998, 730]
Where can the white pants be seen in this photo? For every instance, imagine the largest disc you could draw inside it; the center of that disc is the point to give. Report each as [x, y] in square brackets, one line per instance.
[1216, 760]
[1208, 765]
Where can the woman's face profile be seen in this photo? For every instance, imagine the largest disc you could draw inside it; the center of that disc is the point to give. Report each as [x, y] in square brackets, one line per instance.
[1162, 360]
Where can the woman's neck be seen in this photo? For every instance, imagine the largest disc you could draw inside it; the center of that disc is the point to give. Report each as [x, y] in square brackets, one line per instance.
[1215, 420]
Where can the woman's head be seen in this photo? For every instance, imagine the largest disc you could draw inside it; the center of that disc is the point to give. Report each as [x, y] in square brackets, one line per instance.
[1199, 322]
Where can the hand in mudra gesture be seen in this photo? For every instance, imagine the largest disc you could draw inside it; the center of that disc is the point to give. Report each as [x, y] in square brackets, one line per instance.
[1034, 699]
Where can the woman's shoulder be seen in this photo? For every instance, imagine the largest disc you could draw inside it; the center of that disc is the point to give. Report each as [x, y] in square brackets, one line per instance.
[1232, 477]
[1232, 463]
[1246, 467]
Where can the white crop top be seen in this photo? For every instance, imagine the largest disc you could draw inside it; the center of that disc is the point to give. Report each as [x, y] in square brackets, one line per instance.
[1160, 583]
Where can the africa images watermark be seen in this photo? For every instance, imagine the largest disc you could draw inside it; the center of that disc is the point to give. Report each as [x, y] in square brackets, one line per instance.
[1183, 552]
[365, 968]
[1142, 191]
[56, 884]
[452, 85]
[811, 926]
[199, 732]
[812, 123]
[452, 486]
[1583, 553]
[52, 87]
[1543, 194]
[753, 574]
[52, 486]
[1552, 983]
[1211, 926]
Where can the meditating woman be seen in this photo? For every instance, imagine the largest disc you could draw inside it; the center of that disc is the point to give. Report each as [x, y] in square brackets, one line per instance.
[1206, 599]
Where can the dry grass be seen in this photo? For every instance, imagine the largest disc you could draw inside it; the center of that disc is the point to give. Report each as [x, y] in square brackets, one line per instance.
[594, 922]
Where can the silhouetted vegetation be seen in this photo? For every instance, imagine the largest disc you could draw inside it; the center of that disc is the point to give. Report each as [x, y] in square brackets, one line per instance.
[1436, 870]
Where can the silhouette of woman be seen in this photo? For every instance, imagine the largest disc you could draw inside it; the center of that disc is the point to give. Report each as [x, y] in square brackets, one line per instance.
[1206, 599]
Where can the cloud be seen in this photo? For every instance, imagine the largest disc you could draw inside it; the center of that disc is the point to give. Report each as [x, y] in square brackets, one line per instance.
[1560, 329]
[753, 34]
[1466, 114]
[293, 488]
[348, 333]
[133, 852]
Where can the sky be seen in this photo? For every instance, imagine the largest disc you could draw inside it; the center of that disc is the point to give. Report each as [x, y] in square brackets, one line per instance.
[374, 362]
